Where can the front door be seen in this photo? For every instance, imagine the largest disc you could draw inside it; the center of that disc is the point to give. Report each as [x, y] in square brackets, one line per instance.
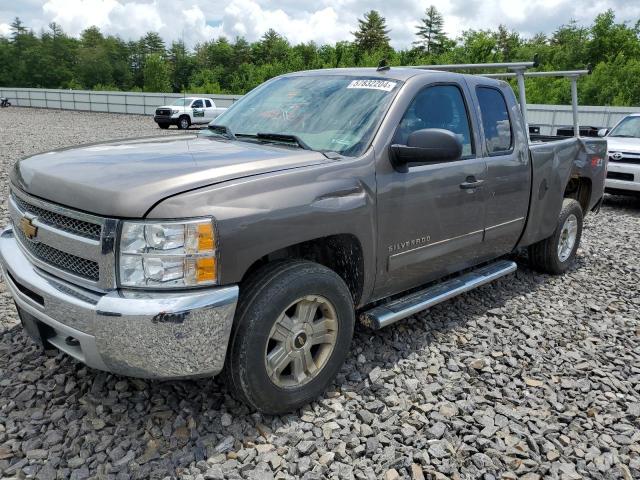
[430, 218]
[197, 114]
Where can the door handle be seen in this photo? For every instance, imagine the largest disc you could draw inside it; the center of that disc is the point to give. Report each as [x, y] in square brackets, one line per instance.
[471, 183]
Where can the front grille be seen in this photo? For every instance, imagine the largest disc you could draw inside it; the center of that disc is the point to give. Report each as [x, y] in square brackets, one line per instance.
[624, 157]
[56, 258]
[62, 222]
[163, 111]
[620, 176]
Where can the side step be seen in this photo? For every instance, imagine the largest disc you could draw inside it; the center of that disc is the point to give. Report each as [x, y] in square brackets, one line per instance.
[386, 314]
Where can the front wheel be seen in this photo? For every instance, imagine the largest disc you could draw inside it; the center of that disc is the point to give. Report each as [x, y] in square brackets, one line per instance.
[293, 331]
[184, 122]
[163, 126]
[555, 254]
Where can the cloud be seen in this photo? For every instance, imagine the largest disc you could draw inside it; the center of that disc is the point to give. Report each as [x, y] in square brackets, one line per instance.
[5, 29]
[322, 21]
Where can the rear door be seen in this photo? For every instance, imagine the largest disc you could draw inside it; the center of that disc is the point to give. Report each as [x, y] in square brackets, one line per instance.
[506, 151]
[209, 110]
[430, 222]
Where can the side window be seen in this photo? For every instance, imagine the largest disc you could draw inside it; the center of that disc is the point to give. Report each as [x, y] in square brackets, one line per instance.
[495, 120]
[440, 106]
[197, 104]
[207, 103]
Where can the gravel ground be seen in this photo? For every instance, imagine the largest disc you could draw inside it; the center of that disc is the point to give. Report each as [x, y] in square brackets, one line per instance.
[533, 376]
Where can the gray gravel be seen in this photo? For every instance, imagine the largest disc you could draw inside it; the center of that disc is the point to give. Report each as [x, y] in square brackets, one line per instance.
[533, 376]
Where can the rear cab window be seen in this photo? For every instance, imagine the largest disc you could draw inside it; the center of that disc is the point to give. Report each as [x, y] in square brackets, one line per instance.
[495, 120]
[208, 103]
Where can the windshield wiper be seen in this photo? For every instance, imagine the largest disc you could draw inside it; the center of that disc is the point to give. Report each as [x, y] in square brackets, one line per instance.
[283, 138]
[623, 136]
[222, 130]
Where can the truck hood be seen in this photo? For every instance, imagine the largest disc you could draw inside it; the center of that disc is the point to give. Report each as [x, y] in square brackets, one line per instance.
[126, 178]
[623, 144]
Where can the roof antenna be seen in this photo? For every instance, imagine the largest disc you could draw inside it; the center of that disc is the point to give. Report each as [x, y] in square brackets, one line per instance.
[383, 65]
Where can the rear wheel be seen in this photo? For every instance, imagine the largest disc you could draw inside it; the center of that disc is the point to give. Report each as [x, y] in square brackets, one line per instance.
[555, 254]
[184, 122]
[292, 334]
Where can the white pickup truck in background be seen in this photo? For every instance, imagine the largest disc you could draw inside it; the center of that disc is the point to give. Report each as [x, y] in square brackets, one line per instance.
[623, 147]
[187, 111]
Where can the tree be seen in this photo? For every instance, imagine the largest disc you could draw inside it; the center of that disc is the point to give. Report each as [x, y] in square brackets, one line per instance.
[17, 28]
[372, 33]
[507, 43]
[156, 74]
[153, 43]
[430, 33]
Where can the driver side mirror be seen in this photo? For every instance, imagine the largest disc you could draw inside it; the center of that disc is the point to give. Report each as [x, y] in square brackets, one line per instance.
[430, 145]
[603, 132]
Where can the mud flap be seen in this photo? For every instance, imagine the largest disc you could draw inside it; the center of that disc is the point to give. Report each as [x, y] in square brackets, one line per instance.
[30, 325]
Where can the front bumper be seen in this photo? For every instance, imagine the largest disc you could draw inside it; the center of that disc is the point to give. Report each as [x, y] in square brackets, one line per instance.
[133, 333]
[627, 177]
[171, 120]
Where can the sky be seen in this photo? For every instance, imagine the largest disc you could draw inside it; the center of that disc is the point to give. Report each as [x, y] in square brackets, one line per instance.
[322, 21]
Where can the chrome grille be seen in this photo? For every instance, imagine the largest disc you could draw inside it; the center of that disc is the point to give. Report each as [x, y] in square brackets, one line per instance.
[62, 222]
[70, 263]
[69, 244]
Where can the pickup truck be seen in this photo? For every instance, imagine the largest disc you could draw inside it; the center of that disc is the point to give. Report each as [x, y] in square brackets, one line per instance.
[187, 111]
[251, 247]
[623, 143]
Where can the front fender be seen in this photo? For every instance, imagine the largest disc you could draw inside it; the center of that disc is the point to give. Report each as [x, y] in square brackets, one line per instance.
[258, 215]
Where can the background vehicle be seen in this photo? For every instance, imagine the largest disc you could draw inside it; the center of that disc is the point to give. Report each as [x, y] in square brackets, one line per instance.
[252, 245]
[623, 143]
[187, 111]
[4, 102]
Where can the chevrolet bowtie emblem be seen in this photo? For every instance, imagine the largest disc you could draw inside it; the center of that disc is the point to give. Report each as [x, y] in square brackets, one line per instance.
[28, 228]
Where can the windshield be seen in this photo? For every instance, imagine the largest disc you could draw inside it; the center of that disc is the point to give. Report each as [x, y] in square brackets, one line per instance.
[182, 102]
[328, 113]
[628, 127]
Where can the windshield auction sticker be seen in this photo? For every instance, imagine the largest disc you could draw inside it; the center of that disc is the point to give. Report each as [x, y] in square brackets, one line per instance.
[383, 85]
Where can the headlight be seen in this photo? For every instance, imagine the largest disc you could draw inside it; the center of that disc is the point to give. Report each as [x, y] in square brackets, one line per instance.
[174, 111]
[167, 254]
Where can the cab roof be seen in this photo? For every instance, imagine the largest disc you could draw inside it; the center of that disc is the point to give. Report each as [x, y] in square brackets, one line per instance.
[393, 73]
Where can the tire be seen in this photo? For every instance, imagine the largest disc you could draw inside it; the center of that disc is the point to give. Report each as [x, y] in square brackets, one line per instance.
[163, 126]
[546, 255]
[292, 287]
[184, 122]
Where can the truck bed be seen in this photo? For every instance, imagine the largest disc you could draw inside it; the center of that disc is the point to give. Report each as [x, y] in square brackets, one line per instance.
[554, 162]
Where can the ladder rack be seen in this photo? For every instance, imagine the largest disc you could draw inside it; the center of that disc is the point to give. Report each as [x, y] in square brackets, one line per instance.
[518, 70]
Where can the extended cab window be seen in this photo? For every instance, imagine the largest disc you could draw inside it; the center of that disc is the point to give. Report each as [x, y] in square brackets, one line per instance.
[208, 103]
[495, 120]
[439, 106]
[197, 104]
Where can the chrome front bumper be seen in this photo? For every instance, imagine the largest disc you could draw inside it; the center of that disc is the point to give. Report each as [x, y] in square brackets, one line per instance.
[133, 333]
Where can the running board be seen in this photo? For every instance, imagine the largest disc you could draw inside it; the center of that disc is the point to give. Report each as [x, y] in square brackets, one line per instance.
[386, 314]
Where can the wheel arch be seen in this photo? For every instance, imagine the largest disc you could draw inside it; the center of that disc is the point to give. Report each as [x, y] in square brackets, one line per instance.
[342, 253]
[579, 188]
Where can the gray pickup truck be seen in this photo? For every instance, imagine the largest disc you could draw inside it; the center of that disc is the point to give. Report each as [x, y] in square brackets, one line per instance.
[251, 247]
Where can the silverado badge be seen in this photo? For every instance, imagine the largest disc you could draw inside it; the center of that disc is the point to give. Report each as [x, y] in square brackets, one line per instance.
[28, 228]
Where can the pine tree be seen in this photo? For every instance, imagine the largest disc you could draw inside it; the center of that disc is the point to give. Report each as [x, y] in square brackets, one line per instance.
[372, 33]
[431, 32]
[17, 28]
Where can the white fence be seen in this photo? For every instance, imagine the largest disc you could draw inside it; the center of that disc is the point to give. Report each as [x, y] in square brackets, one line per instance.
[551, 117]
[140, 103]
[548, 117]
